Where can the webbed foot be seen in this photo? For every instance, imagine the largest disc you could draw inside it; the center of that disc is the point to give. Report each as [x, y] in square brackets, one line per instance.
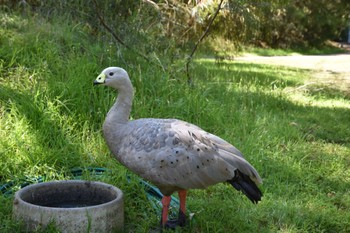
[172, 224]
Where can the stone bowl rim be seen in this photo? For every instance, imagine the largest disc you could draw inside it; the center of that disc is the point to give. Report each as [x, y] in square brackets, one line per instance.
[19, 193]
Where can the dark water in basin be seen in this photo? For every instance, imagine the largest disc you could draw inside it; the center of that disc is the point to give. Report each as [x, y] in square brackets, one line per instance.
[69, 196]
[70, 204]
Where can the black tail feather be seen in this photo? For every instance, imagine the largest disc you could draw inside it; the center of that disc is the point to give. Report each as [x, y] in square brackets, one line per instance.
[243, 183]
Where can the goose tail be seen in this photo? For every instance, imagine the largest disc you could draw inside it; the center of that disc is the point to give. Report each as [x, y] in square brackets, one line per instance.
[243, 183]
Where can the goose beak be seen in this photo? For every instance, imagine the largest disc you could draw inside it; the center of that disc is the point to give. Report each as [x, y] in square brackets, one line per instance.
[101, 79]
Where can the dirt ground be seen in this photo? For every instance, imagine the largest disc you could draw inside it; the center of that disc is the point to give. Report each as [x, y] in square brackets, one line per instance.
[332, 70]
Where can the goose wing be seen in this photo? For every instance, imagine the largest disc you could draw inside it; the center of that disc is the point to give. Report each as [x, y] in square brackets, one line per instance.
[175, 155]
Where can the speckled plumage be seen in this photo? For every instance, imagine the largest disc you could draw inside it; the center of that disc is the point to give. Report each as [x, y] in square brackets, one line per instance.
[176, 155]
[172, 154]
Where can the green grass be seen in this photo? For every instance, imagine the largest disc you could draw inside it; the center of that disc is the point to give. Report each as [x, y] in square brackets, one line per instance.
[323, 50]
[224, 49]
[51, 118]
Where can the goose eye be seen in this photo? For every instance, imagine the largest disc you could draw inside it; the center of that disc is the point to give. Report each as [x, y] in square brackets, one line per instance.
[111, 74]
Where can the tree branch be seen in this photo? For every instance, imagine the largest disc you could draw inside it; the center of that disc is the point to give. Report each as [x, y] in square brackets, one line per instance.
[117, 38]
[189, 58]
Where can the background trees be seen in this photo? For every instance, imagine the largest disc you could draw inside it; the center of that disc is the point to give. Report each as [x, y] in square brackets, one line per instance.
[165, 26]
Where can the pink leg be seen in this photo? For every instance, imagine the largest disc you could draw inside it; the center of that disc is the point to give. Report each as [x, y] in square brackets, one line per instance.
[166, 203]
[181, 221]
[182, 197]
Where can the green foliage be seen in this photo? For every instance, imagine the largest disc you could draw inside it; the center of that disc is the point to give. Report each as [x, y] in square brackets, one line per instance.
[284, 24]
[165, 31]
[51, 117]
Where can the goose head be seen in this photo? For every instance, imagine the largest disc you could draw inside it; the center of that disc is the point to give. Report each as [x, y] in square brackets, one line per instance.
[114, 77]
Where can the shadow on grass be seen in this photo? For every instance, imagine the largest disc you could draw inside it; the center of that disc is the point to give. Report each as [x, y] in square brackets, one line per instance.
[321, 122]
[322, 50]
[329, 91]
[247, 74]
[253, 98]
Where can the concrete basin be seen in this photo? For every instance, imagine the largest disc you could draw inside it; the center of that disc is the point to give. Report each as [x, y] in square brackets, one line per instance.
[73, 206]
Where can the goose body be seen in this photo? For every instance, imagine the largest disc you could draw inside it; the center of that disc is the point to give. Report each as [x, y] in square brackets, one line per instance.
[172, 154]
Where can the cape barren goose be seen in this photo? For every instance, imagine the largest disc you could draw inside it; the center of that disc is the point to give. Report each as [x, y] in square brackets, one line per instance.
[172, 154]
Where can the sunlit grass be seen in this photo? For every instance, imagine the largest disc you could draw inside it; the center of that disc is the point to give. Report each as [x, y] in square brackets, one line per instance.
[224, 48]
[51, 118]
[321, 50]
[301, 97]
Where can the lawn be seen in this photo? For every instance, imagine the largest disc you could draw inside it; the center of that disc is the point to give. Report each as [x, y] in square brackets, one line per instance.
[51, 120]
